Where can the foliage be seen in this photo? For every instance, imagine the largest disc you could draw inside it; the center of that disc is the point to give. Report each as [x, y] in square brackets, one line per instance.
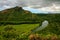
[9, 33]
[16, 32]
[19, 16]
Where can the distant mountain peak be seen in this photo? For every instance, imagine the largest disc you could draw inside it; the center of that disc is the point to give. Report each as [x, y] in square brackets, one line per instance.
[14, 9]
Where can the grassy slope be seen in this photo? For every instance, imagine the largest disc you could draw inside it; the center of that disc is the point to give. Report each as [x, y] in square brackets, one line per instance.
[23, 28]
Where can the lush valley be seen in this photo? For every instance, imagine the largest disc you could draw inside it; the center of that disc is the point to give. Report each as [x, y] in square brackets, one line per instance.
[24, 21]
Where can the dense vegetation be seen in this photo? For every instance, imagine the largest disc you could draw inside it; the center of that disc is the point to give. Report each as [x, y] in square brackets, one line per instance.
[16, 32]
[23, 32]
[19, 16]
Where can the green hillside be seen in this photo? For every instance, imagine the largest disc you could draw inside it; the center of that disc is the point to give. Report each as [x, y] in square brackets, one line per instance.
[14, 13]
[22, 28]
[18, 24]
[17, 15]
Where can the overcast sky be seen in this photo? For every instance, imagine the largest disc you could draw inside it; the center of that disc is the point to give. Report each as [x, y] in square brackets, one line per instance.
[27, 3]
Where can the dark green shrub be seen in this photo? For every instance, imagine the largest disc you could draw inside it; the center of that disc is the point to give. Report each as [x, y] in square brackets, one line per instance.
[10, 33]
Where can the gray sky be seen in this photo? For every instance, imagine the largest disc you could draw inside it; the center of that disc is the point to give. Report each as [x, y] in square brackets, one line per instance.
[28, 3]
[41, 3]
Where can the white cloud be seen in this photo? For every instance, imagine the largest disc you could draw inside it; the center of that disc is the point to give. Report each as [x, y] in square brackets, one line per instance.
[51, 9]
[6, 6]
[38, 4]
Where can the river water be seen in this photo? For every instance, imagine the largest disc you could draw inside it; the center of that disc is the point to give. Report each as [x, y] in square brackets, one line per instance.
[44, 25]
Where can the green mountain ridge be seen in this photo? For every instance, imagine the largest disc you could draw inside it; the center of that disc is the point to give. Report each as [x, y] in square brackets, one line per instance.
[18, 15]
[13, 13]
